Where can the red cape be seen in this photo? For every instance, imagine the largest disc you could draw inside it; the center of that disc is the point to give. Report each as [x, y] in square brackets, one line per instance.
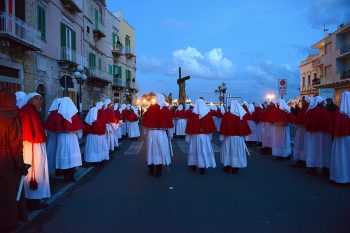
[158, 118]
[319, 120]
[56, 123]
[32, 126]
[99, 126]
[132, 117]
[204, 125]
[232, 125]
[276, 115]
[117, 115]
[300, 118]
[188, 112]
[248, 116]
[258, 115]
[341, 124]
[125, 113]
[180, 114]
[110, 117]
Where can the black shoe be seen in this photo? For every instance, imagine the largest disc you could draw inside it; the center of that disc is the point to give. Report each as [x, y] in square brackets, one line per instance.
[325, 172]
[151, 170]
[298, 164]
[202, 171]
[226, 169]
[193, 167]
[312, 171]
[159, 169]
[234, 170]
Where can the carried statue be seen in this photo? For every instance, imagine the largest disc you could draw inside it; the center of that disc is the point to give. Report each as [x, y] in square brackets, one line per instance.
[182, 87]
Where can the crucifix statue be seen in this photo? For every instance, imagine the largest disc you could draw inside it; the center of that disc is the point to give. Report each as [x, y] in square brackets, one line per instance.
[182, 87]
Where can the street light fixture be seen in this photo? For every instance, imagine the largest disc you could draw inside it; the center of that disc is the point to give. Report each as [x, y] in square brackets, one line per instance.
[221, 90]
[81, 77]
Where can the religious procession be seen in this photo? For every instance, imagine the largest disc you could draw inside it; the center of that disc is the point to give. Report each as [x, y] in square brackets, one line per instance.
[51, 148]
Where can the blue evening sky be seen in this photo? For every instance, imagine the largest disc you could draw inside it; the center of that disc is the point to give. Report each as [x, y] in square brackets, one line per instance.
[248, 44]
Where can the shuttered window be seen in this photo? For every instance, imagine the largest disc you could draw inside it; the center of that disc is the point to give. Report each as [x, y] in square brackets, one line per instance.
[92, 60]
[42, 22]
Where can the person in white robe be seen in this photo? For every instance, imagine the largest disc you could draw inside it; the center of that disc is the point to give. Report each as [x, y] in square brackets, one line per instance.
[180, 123]
[118, 131]
[253, 137]
[68, 155]
[96, 146]
[35, 155]
[110, 127]
[123, 126]
[21, 99]
[259, 126]
[172, 130]
[134, 129]
[233, 152]
[340, 156]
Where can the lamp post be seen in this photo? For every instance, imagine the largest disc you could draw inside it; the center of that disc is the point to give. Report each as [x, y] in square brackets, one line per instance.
[81, 77]
[221, 91]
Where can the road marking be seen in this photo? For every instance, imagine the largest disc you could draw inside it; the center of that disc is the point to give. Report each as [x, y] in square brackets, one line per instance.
[134, 148]
[184, 146]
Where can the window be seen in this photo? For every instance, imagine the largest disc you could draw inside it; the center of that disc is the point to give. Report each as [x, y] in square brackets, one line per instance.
[87, 29]
[328, 48]
[42, 22]
[303, 80]
[315, 76]
[100, 63]
[309, 80]
[115, 39]
[92, 61]
[128, 75]
[68, 43]
[120, 74]
[96, 19]
[127, 44]
[328, 71]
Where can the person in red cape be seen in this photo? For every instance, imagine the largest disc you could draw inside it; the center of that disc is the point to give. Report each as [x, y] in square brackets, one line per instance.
[199, 129]
[299, 152]
[133, 119]
[96, 146]
[124, 112]
[157, 121]
[252, 138]
[118, 117]
[319, 138]
[111, 124]
[172, 110]
[257, 117]
[266, 143]
[340, 157]
[12, 166]
[51, 127]
[233, 129]
[180, 116]
[280, 131]
[36, 183]
[69, 129]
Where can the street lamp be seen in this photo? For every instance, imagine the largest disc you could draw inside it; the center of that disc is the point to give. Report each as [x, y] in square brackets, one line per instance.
[270, 97]
[221, 90]
[81, 77]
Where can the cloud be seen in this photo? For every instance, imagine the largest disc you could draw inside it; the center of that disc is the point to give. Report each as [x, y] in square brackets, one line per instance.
[327, 12]
[210, 65]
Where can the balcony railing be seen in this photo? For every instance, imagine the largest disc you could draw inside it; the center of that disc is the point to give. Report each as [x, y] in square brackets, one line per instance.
[74, 6]
[99, 31]
[345, 49]
[119, 82]
[316, 62]
[117, 49]
[132, 85]
[19, 31]
[316, 81]
[308, 89]
[70, 55]
[129, 52]
[345, 74]
[96, 73]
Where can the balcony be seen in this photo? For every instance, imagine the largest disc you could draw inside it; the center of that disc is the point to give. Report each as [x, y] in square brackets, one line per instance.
[119, 83]
[69, 58]
[129, 52]
[132, 85]
[345, 49]
[117, 49]
[74, 6]
[99, 32]
[345, 74]
[316, 81]
[308, 90]
[18, 33]
[98, 78]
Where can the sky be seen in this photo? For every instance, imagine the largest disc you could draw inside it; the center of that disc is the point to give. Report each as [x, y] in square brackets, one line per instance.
[248, 44]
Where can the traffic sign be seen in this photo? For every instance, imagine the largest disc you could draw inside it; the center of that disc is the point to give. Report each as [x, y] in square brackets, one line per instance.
[282, 86]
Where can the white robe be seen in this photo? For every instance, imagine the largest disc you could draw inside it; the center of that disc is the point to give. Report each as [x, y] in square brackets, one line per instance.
[281, 140]
[217, 122]
[318, 150]
[115, 134]
[233, 152]
[157, 147]
[299, 152]
[180, 127]
[134, 130]
[253, 137]
[260, 131]
[124, 128]
[40, 168]
[68, 153]
[110, 137]
[96, 148]
[200, 152]
[172, 130]
[51, 148]
[340, 160]
[266, 136]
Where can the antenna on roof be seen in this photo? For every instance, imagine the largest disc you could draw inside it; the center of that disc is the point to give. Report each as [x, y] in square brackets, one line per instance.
[325, 31]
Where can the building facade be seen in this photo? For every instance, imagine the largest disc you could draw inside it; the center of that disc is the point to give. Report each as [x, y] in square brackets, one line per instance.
[43, 41]
[330, 67]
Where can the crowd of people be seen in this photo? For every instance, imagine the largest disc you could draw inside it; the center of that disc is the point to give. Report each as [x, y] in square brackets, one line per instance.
[32, 151]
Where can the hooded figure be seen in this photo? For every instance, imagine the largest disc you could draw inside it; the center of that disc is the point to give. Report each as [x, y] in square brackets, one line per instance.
[299, 152]
[96, 146]
[51, 127]
[253, 137]
[124, 114]
[36, 183]
[233, 129]
[180, 115]
[118, 117]
[133, 119]
[257, 117]
[68, 155]
[11, 163]
[111, 124]
[200, 126]
[340, 160]
[157, 121]
[319, 138]
[21, 99]
[266, 139]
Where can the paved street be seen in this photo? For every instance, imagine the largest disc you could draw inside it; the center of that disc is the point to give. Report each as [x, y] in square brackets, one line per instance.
[268, 196]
